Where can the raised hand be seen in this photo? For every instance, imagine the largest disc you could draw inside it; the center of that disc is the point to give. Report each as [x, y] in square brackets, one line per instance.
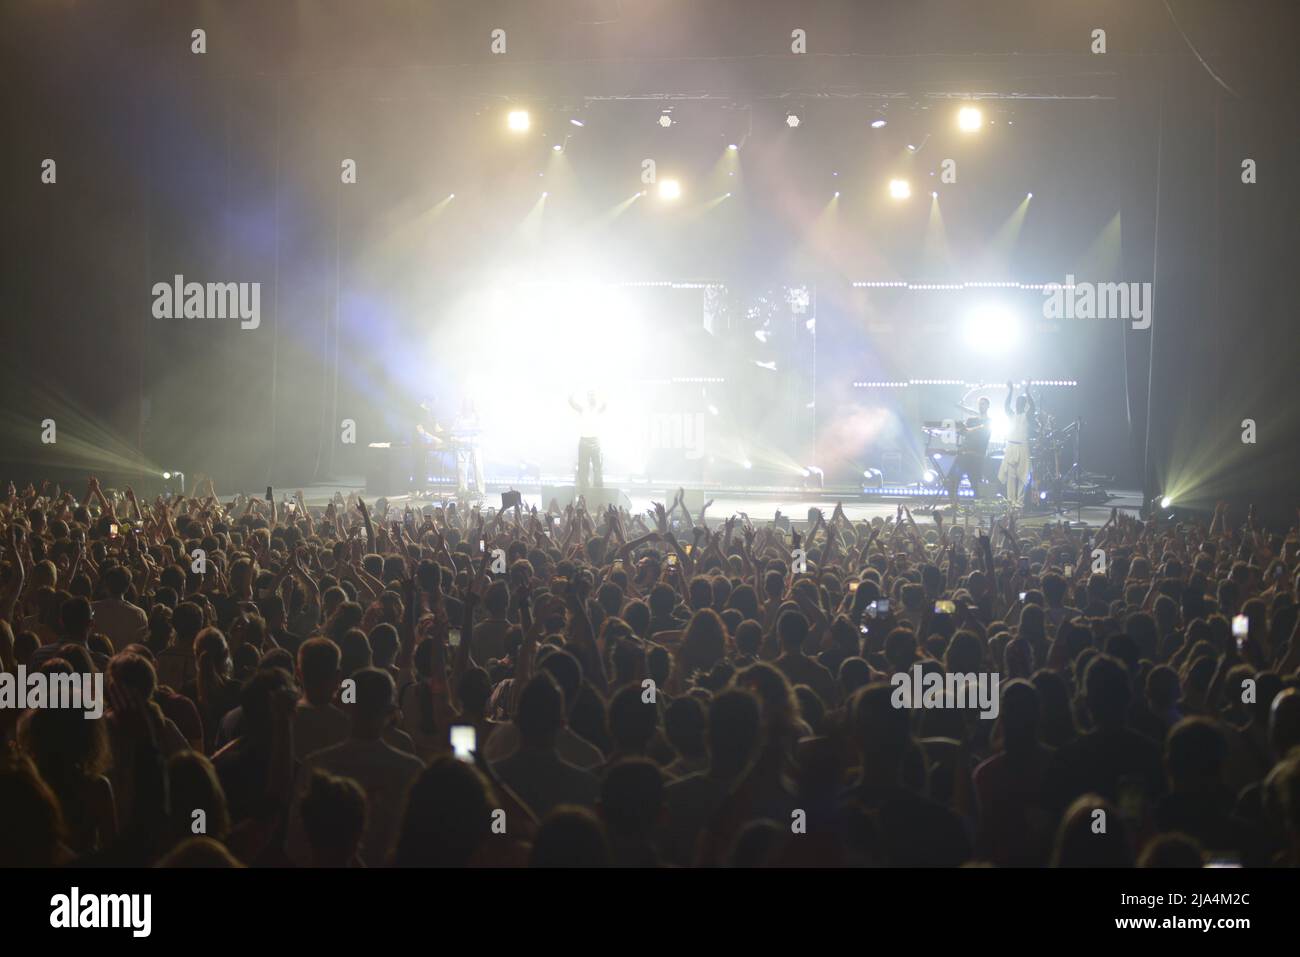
[660, 516]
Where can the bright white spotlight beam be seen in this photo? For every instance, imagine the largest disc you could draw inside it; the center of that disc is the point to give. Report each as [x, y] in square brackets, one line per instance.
[992, 328]
[969, 119]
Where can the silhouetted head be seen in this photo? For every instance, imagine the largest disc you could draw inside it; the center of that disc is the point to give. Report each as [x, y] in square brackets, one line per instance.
[1081, 843]
[570, 837]
[449, 813]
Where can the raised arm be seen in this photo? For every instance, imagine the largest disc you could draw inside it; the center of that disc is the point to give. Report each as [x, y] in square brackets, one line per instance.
[463, 660]
[106, 507]
[584, 638]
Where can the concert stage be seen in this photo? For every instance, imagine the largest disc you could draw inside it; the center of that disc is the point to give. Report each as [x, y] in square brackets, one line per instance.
[761, 503]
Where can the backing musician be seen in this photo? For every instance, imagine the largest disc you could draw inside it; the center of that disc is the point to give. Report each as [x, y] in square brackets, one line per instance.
[970, 460]
[428, 433]
[427, 440]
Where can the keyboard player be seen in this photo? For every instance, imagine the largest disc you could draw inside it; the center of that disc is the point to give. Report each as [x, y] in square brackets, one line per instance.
[975, 446]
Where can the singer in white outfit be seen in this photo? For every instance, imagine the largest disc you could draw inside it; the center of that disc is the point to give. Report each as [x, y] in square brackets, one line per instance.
[469, 455]
[590, 409]
[1015, 460]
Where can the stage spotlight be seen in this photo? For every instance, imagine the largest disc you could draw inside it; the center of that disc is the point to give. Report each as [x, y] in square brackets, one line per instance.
[451, 195]
[991, 328]
[878, 123]
[900, 188]
[577, 122]
[670, 189]
[733, 147]
[970, 119]
[791, 120]
[174, 474]
[544, 195]
[558, 147]
[747, 464]
[929, 477]
[1029, 195]
[167, 475]
[1166, 502]
[518, 121]
[665, 120]
[872, 479]
[713, 410]
[934, 194]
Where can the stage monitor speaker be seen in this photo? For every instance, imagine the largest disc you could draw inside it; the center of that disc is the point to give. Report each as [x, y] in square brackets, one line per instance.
[597, 498]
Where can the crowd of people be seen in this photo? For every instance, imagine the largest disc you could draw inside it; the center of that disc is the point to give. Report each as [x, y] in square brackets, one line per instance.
[353, 685]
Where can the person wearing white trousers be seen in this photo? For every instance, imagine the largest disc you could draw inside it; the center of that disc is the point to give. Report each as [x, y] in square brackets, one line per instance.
[1015, 458]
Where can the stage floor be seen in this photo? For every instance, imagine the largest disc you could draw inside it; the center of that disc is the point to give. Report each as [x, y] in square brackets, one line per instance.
[761, 504]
